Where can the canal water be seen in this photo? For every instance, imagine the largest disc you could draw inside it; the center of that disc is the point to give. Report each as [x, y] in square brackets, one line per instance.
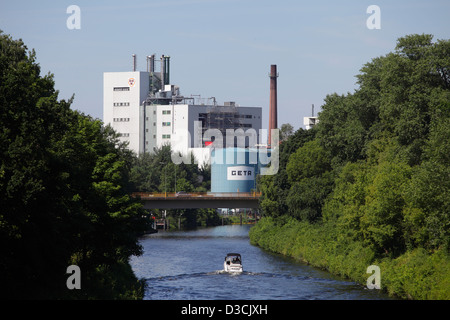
[188, 265]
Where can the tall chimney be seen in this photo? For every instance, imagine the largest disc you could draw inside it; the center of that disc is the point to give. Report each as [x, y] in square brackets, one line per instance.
[134, 62]
[163, 72]
[273, 122]
[152, 63]
[148, 63]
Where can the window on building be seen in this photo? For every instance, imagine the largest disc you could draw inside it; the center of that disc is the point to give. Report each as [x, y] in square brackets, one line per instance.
[121, 89]
[121, 104]
[166, 112]
[166, 136]
[166, 124]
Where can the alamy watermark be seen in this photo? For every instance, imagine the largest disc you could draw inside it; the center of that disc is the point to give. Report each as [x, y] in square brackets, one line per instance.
[374, 21]
[234, 138]
[74, 280]
[73, 22]
[374, 280]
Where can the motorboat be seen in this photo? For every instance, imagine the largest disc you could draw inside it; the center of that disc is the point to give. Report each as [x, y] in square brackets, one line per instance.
[233, 263]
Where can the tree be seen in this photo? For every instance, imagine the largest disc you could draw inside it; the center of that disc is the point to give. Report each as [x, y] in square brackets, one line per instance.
[396, 197]
[29, 118]
[156, 172]
[394, 98]
[63, 191]
[375, 175]
[427, 219]
[308, 171]
[377, 162]
[308, 161]
[275, 188]
[286, 131]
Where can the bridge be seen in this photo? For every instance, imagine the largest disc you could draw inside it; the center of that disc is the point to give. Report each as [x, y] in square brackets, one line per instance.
[198, 200]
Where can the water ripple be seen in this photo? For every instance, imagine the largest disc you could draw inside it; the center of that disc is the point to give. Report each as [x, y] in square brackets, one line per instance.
[187, 266]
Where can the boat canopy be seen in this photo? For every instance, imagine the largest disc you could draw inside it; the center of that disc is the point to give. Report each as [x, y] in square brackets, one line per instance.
[233, 255]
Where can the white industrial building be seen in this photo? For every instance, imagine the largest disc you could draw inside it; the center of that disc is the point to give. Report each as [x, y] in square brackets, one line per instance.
[148, 112]
[310, 122]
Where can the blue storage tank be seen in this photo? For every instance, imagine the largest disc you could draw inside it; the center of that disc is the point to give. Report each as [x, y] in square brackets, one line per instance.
[234, 170]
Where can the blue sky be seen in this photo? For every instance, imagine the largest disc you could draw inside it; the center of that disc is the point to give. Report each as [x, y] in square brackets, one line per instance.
[220, 48]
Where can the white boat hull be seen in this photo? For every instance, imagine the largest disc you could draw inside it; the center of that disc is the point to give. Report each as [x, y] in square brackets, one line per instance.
[232, 268]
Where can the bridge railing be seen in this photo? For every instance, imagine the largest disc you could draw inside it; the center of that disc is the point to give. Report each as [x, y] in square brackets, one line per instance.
[197, 195]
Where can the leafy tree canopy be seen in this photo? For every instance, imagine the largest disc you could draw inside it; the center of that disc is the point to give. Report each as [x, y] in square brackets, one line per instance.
[63, 191]
[376, 165]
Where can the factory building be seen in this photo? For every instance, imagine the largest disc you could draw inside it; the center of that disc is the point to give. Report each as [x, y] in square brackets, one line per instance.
[310, 122]
[234, 170]
[149, 112]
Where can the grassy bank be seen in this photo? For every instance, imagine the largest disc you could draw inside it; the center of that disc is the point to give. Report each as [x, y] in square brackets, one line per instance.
[414, 275]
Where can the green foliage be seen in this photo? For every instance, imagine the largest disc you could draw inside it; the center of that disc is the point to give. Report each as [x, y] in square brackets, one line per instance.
[275, 188]
[428, 194]
[320, 245]
[416, 274]
[343, 129]
[272, 200]
[63, 192]
[286, 130]
[308, 171]
[156, 172]
[308, 161]
[374, 176]
[382, 219]
[306, 197]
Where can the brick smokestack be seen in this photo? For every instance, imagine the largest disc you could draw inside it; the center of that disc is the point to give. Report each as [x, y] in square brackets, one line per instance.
[273, 122]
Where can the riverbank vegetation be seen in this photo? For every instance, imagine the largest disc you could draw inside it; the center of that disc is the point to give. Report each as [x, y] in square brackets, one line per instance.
[64, 192]
[369, 184]
[65, 186]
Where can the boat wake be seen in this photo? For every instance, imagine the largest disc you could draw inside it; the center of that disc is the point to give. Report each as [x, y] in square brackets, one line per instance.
[191, 285]
[211, 273]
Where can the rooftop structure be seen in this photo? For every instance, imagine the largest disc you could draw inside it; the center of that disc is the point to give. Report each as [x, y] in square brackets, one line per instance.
[310, 122]
[149, 112]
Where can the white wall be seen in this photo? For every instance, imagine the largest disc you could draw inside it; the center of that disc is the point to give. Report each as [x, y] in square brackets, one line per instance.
[145, 126]
[309, 122]
[180, 121]
[131, 110]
